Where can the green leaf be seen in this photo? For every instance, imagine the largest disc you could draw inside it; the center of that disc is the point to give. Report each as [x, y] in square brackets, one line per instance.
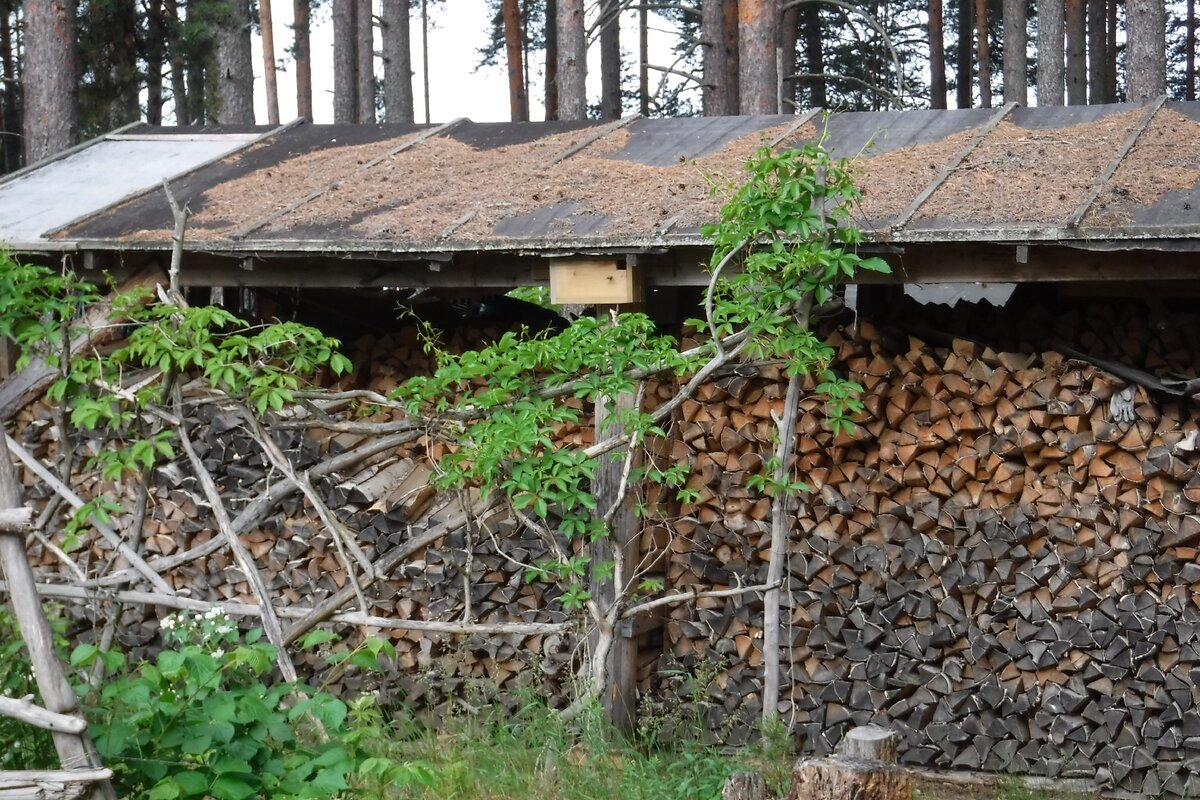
[231, 787]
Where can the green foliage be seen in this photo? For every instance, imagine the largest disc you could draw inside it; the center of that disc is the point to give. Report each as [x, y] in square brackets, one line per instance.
[201, 720]
[22, 746]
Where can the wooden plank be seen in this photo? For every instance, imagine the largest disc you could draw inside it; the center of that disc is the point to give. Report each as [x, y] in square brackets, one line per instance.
[1079, 213]
[594, 281]
[795, 126]
[22, 387]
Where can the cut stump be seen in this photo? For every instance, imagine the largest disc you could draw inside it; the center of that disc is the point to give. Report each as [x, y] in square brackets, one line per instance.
[841, 778]
[745, 786]
[871, 743]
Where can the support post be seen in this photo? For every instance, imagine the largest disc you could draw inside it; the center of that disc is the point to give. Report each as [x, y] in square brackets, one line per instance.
[75, 750]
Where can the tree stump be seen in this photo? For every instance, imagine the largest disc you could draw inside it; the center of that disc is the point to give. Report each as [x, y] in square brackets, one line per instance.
[745, 786]
[841, 778]
[870, 743]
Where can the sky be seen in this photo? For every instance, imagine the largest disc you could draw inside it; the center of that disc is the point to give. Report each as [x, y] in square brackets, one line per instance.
[457, 32]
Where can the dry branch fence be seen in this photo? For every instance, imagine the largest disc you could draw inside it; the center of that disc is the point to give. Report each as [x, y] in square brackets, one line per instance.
[991, 565]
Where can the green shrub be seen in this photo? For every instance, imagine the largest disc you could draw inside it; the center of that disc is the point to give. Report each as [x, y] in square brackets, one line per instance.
[22, 746]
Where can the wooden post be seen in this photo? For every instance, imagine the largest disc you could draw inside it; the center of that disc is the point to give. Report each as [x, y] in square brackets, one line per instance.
[619, 697]
[75, 750]
[620, 691]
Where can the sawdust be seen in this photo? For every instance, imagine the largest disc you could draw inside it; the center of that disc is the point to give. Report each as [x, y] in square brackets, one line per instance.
[1022, 175]
[891, 181]
[1165, 158]
[446, 189]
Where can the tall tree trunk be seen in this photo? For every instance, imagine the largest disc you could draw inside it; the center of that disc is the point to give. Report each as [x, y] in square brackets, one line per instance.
[1110, 70]
[1050, 53]
[365, 56]
[718, 21]
[345, 61]
[266, 22]
[551, 99]
[757, 80]
[966, 52]
[397, 62]
[1146, 49]
[425, 56]
[197, 85]
[122, 34]
[1076, 26]
[733, 59]
[610, 61]
[1189, 70]
[789, 37]
[572, 61]
[235, 66]
[1097, 45]
[1016, 59]
[644, 60]
[937, 56]
[302, 44]
[179, 97]
[156, 33]
[985, 54]
[51, 78]
[814, 57]
[518, 102]
[10, 121]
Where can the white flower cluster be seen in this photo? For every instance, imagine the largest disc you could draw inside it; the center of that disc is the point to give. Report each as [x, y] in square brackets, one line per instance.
[210, 627]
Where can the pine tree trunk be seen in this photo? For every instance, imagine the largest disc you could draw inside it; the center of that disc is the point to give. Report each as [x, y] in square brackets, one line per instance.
[1016, 60]
[644, 60]
[397, 62]
[1110, 71]
[345, 63]
[610, 61]
[235, 66]
[122, 35]
[985, 54]
[572, 61]
[757, 26]
[518, 102]
[551, 99]
[1146, 58]
[966, 52]
[197, 85]
[51, 78]
[937, 56]
[156, 34]
[364, 52]
[10, 118]
[302, 44]
[1050, 52]
[1076, 27]
[720, 57]
[1097, 57]
[179, 98]
[814, 57]
[1189, 70]
[789, 37]
[267, 24]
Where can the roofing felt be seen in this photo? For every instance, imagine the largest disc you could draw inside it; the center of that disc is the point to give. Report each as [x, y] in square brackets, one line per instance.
[1077, 173]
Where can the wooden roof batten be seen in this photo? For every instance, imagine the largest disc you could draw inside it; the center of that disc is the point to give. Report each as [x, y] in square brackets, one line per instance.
[1081, 211]
[413, 141]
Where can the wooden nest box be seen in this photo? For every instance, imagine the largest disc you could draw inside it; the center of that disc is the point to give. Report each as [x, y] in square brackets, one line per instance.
[594, 281]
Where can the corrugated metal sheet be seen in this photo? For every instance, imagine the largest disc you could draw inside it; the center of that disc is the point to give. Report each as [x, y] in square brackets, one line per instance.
[86, 181]
[968, 175]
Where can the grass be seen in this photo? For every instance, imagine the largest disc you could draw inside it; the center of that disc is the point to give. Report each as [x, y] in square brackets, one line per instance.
[537, 754]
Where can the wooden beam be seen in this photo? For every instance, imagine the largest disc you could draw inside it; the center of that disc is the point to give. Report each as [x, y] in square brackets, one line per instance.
[23, 710]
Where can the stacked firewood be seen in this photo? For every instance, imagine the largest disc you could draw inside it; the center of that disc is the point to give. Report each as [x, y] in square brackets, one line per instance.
[990, 565]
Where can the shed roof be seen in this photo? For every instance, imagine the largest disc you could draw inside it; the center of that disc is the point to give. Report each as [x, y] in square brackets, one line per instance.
[1098, 177]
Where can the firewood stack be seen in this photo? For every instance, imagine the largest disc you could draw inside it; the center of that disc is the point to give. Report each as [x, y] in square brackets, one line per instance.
[990, 565]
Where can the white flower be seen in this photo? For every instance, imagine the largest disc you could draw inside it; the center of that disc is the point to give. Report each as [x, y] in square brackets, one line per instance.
[218, 653]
